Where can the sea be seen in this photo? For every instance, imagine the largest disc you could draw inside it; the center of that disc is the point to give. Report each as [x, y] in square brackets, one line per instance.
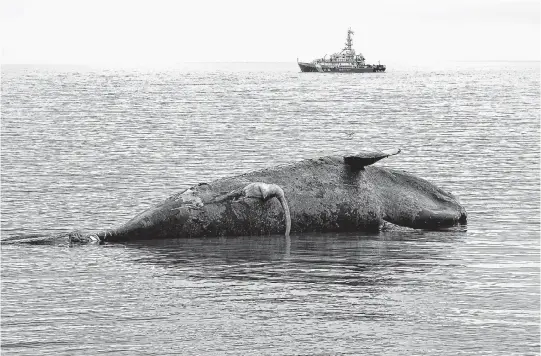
[87, 148]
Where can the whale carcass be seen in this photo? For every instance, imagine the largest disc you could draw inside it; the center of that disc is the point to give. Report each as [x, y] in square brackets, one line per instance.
[328, 194]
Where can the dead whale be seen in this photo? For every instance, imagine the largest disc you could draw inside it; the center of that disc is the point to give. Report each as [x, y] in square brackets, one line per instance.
[328, 194]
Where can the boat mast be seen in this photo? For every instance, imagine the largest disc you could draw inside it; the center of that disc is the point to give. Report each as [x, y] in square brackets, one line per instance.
[349, 40]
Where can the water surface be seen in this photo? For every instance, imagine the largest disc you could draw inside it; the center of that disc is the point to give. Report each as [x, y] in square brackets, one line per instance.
[88, 149]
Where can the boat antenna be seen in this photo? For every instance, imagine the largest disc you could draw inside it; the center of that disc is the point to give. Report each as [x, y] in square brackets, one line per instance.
[349, 39]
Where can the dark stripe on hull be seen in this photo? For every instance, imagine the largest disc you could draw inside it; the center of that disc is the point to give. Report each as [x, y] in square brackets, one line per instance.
[354, 70]
[308, 67]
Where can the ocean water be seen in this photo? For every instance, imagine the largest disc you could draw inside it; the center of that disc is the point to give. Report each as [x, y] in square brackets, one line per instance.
[89, 148]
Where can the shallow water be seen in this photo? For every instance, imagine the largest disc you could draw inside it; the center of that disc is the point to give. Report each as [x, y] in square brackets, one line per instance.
[88, 149]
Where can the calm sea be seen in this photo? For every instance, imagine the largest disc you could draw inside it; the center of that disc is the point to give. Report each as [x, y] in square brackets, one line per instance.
[88, 149]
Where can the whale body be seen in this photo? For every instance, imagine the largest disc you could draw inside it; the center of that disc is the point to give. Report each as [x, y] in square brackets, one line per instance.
[327, 194]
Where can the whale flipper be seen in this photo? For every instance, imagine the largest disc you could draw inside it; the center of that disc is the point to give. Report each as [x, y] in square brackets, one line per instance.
[365, 158]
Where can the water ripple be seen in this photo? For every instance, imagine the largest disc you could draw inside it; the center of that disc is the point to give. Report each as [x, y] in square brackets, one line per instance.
[88, 150]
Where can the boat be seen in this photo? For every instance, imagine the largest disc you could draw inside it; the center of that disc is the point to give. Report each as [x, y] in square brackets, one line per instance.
[346, 61]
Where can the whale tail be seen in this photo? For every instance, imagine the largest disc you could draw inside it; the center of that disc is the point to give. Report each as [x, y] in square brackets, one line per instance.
[74, 237]
[33, 239]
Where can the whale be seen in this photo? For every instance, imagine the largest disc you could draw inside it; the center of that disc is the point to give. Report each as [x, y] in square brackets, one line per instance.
[337, 193]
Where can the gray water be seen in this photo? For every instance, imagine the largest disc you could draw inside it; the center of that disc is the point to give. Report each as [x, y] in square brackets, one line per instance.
[88, 149]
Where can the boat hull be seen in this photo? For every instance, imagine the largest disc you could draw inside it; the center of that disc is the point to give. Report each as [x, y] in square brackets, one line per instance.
[307, 67]
[310, 67]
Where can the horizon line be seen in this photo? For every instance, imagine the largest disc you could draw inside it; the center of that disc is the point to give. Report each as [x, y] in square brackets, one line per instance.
[257, 62]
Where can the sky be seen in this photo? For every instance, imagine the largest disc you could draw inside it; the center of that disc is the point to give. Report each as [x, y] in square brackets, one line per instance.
[161, 32]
